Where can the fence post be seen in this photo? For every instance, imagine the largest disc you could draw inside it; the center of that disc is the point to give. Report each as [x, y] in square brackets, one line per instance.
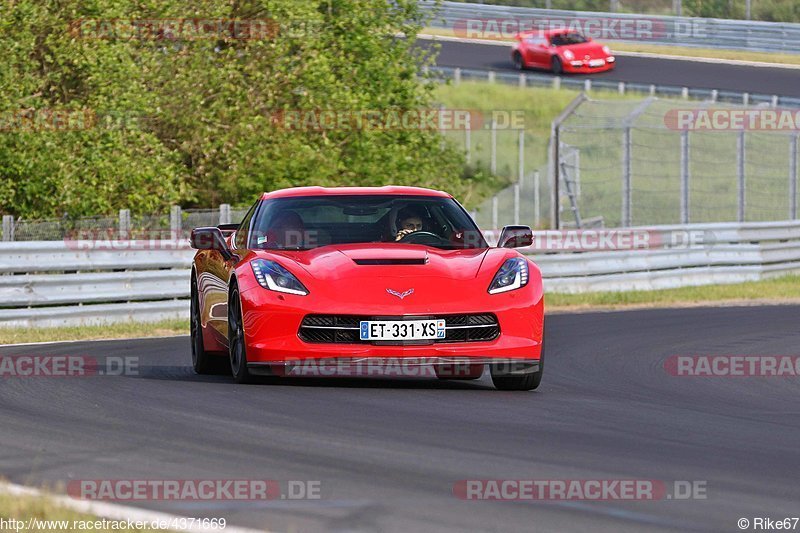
[685, 177]
[175, 222]
[8, 228]
[714, 95]
[740, 164]
[587, 85]
[224, 213]
[677, 7]
[523, 81]
[456, 76]
[490, 76]
[521, 156]
[468, 139]
[621, 87]
[685, 93]
[124, 223]
[536, 201]
[793, 177]
[494, 212]
[516, 203]
[556, 82]
[626, 177]
[493, 160]
[745, 98]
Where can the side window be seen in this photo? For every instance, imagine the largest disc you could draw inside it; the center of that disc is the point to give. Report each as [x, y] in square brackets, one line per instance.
[242, 234]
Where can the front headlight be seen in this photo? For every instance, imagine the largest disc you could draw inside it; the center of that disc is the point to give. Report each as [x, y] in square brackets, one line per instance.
[274, 277]
[568, 55]
[512, 275]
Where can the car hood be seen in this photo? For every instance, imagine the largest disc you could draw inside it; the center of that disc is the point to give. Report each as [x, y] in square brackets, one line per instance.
[592, 49]
[398, 261]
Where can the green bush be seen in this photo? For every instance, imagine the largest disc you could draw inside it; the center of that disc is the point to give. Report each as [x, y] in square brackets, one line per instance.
[188, 121]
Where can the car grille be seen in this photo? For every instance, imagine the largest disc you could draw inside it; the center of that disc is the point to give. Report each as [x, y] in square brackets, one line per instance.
[344, 329]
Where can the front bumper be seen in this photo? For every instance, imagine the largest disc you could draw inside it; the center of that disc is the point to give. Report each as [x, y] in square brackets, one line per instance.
[272, 324]
[584, 67]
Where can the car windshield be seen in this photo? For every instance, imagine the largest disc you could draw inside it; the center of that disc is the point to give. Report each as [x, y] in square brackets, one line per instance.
[301, 223]
[564, 39]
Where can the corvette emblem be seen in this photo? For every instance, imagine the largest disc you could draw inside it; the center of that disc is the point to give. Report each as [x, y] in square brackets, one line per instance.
[400, 295]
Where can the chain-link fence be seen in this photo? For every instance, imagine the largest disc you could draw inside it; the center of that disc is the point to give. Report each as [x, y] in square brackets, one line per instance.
[176, 223]
[677, 162]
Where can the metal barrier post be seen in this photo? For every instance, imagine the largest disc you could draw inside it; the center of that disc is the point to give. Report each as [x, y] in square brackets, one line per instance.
[626, 177]
[685, 177]
[224, 213]
[124, 223]
[493, 155]
[740, 164]
[8, 228]
[793, 177]
[175, 221]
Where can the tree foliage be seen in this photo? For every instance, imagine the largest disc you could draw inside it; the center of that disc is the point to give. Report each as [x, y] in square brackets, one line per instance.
[191, 121]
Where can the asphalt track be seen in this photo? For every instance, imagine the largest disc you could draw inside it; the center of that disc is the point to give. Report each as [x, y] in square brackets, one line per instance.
[679, 73]
[387, 452]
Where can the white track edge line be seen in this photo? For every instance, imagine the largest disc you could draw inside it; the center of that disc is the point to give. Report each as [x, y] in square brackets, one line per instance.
[111, 511]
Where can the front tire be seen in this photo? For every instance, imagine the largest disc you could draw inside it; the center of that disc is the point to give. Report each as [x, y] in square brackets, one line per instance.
[530, 381]
[202, 361]
[236, 341]
[558, 67]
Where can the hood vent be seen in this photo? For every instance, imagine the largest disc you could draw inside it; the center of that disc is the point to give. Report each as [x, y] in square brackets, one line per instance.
[392, 261]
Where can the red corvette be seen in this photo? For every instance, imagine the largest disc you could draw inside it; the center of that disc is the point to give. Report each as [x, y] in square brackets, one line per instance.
[361, 274]
[560, 51]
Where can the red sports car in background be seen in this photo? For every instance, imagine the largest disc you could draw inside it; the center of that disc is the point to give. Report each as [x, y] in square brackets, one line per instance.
[357, 274]
[560, 51]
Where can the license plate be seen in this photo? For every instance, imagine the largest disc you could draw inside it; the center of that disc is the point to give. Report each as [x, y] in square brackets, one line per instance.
[597, 62]
[402, 330]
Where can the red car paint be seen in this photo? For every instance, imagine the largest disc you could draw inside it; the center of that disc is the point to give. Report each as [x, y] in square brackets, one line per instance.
[544, 50]
[444, 282]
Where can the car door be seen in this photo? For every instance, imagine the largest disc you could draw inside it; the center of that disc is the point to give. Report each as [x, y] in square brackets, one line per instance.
[217, 276]
[538, 54]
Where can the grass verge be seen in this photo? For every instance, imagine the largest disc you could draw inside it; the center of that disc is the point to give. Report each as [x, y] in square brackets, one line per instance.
[41, 511]
[785, 289]
[686, 51]
[125, 330]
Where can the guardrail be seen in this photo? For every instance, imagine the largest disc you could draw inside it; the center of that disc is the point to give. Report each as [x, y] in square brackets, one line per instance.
[653, 29]
[61, 283]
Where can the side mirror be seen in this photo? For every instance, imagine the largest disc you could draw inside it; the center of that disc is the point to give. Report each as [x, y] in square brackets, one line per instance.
[515, 237]
[210, 238]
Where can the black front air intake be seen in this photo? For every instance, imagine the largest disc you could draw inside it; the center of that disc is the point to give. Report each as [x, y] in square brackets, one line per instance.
[400, 261]
[344, 329]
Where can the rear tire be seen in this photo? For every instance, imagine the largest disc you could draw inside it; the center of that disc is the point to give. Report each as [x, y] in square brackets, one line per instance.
[511, 382]
[519, 63]
[558, 67]
[202, 361]
[236, 341]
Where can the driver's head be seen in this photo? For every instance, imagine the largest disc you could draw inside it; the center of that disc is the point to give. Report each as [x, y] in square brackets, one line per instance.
[286, 229]
[409, 218]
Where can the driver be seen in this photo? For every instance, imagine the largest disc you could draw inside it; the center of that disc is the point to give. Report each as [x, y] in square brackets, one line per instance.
[409, 220]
